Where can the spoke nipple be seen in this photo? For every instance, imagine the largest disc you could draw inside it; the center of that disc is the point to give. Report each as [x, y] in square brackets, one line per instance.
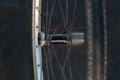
[37, 46]
[38, 65]
[37, 26]
[37, 7]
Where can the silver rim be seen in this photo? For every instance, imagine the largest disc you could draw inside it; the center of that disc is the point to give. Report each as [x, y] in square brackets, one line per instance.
[36, 27]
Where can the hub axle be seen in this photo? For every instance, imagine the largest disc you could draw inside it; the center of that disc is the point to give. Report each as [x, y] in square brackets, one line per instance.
[73, 38]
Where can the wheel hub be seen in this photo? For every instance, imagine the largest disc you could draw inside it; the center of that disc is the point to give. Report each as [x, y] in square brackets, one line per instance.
[76, 38]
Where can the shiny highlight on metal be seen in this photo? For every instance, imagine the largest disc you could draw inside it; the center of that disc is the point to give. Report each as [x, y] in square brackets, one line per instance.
[76, 38]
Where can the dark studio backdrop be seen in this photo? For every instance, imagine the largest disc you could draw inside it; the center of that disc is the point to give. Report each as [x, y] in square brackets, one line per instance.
[15, 39]
[113, 24]
[15, 24]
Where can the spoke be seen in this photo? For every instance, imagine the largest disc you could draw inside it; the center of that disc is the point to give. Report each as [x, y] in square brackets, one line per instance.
[66, 58]
[50, 57]
[70, 69]
[71, 76]
[54, 52]
[62, 12]
[57, 28]
[46, 65]
[50, 16]
[49, 51]
[51, 67]
[74, 11]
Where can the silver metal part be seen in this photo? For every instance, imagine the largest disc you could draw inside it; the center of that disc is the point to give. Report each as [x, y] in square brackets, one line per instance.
[76, 38]
[58, 38]
[37, 51]
[41, 38]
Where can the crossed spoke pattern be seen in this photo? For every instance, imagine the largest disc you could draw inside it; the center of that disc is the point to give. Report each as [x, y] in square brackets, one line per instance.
[58, 16]
[63, 16]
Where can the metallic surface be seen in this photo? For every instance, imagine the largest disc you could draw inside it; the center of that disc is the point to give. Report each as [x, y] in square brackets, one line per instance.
[36, 23]
[73, 38]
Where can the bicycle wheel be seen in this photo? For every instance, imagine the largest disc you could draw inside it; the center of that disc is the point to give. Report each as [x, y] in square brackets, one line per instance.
[66, 44]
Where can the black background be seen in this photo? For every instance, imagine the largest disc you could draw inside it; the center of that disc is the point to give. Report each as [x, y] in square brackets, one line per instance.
[113, 24]
[15, 24]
